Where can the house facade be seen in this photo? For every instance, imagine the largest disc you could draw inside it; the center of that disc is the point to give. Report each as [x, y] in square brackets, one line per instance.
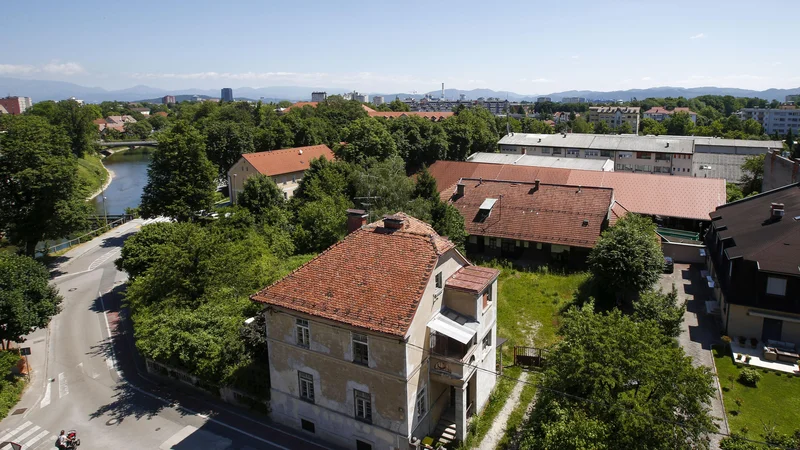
[546, 223]
[754, 259]
[286, 168]
[660, 113]
[614, 116]
[381, 337]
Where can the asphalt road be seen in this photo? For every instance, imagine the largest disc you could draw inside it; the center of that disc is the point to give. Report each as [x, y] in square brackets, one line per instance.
[86, 375]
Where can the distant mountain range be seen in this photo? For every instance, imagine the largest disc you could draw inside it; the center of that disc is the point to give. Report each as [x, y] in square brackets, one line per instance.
[40, 90]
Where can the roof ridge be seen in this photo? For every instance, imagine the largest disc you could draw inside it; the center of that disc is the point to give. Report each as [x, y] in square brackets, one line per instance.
[582, 186]
[759, 195]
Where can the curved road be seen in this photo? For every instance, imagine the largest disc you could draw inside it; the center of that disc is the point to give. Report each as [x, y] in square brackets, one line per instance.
[86, 375]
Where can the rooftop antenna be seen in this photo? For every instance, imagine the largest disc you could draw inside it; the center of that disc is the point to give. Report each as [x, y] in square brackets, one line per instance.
[367, 205]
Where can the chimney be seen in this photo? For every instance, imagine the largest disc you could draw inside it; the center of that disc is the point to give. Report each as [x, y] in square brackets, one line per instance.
[301, 152]
[460, 189]
[393, 222]
[776, 211]
[667, 145]
[536, 184]
[356, 218]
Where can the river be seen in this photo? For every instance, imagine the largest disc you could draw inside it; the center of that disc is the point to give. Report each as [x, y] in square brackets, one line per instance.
[130, 176]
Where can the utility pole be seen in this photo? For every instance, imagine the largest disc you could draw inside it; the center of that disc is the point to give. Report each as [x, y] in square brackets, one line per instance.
[105, 209]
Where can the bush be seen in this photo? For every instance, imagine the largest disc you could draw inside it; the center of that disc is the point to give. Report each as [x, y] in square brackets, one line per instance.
[750, 377]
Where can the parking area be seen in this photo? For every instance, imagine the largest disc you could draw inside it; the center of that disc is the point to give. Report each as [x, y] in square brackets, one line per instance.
[700, 330]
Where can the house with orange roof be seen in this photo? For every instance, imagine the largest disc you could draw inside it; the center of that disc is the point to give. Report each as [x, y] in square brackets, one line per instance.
[385, 337]
[286, 167]
[660, 113]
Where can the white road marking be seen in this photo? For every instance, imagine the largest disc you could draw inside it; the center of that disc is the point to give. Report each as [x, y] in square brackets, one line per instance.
[25, 435]
[35, 439]
[110, 361]
[46, 399]
[63, 389]
[13, 432]
[97, 262]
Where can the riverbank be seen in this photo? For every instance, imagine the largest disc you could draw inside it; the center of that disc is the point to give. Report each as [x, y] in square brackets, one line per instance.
[93, 176]
[109, 178]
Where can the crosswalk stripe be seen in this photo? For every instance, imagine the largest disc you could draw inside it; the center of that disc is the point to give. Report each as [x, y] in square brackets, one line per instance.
[35, 439]
[46, 399]
[11, 433]
[63, 389]
[25, 435]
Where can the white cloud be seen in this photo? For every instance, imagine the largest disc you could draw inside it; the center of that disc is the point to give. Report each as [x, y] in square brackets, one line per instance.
[575, 56]
[53, 67]
[16, 69]
[646, 78]
[541, 80]
[698, 36]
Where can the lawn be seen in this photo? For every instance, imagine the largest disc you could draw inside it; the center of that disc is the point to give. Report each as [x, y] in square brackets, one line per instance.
[91, 174]
[775, 402]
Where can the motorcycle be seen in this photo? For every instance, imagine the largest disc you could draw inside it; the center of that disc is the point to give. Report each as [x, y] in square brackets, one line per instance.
[72, 441]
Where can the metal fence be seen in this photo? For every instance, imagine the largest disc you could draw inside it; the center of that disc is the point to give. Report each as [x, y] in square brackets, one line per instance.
[89, 236]
[529, 356]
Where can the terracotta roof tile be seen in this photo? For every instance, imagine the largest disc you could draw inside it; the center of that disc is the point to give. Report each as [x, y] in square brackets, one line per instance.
[665, 195]
[472, 278]
[289, 160]
[553, 214]
[373, 279]
[162, 114]
[424, 114]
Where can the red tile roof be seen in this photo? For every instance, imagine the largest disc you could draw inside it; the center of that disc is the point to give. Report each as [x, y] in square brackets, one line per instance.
[289, 160]
[472, 278]
[373, 279]
[662, 110]
[553, 214]
[99, 121]
[162, 114]
[665, 195]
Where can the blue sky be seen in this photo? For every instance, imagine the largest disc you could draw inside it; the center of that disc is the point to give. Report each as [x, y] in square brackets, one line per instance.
[528, 47]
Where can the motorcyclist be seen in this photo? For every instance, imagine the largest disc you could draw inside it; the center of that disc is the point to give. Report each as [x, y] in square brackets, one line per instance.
[62, 440]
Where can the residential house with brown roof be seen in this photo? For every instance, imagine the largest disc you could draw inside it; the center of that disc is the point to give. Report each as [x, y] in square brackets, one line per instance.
[382, 337]
[754, 259]
[548, 223]
[285, 167]
[659, 113]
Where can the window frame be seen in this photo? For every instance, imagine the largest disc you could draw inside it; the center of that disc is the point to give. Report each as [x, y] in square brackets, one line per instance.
[364, 400]
[422, 402]
[779, 280]
[355, 340]
[302, 333]
[488, 336]
[439, 279]
[306, 380]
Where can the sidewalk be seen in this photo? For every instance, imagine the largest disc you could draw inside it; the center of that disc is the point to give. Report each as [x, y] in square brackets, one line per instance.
[495, 434]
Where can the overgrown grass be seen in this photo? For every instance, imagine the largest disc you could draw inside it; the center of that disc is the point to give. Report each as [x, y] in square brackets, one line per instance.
[91, 174]
[517, 416]
[775, 402]
[11, 386]
[480, 424]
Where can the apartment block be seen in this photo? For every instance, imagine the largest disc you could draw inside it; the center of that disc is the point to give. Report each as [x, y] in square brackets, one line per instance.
[614, 116]
[319, 96]
[168, 100]
[16, 105]
[382, 337]
[779, 121]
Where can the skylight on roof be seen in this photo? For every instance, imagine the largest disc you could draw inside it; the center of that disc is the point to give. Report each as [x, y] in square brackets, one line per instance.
[488, 204]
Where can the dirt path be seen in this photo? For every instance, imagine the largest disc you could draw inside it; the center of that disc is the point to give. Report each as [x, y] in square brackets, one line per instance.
[495, 434]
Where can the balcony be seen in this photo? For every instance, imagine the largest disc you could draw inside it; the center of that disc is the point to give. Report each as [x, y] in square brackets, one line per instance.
[450, 359]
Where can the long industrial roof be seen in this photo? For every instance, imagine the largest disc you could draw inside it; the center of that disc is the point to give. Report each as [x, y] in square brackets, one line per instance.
[543, 161]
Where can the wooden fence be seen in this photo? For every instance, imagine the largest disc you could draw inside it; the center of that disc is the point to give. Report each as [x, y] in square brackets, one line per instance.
[529, 356]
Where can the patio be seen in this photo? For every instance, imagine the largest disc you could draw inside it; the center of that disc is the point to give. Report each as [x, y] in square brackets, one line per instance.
[757, 360]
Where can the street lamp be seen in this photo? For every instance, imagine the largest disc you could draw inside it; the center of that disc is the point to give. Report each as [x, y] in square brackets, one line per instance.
[105, 210]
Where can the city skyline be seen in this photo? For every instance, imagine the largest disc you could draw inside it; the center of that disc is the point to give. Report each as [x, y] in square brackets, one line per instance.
[382, 48]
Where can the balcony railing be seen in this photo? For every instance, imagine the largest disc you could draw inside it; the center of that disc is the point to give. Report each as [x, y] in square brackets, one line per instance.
[448, 357]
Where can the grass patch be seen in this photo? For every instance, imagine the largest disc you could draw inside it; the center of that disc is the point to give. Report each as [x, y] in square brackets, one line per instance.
[517, 416]
[774, 403]
[481, 423]
[11, 385]
[91, 174]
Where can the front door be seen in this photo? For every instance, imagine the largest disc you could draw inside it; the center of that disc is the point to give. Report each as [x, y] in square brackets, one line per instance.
[452, 396]
[771, 329]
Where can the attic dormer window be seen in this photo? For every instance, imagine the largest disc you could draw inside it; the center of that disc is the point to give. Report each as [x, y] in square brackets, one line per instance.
[485, 209]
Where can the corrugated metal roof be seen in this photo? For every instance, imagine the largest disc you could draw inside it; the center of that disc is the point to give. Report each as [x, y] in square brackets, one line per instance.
[625, 143]
[720, 142]
[543, 161]
[719, 165]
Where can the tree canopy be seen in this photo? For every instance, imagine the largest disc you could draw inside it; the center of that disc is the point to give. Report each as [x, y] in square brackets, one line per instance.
[225, 144]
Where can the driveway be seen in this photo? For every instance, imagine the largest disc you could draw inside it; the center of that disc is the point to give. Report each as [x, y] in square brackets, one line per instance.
[700, 330]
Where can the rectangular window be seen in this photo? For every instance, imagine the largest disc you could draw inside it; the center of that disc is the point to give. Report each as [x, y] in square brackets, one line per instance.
[439, 281]
[306, 381]
[776, 286]
[487, 297]
[303, 333]
[572, 152]
[363, 405]
[360, 349]
[307, 425]
[545, 150]
[556, 151]
[487, 340]
[644, 155]
[361, 445]
[422, 403]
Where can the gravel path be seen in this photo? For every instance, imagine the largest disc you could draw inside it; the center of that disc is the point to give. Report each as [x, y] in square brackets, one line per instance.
[699, 331]
[498, 429]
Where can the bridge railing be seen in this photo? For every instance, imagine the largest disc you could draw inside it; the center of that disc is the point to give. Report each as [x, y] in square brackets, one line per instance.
[90, 235]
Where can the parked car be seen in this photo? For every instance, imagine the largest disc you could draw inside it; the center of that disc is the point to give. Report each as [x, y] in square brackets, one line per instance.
[669, 265]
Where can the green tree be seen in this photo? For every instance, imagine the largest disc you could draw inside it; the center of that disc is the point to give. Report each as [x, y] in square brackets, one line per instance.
[663, 309]
[138, 130]
[535, 126]
[41, 196]
[425, 186]
[752, 174]
[226, 142]
[180, 177]
[448, 221]
[614, 383]
[627, 259]
[470, 130]
[260, 195]
[142, 249]
[321, 223]
[74, 119]
[385, 181]
[580, 125]
[27, 299]
[652, 127]
[679, 124]
[158, 122]
[419, 141]
[323, 178]
[365, 138]
[752, 128]
[734, 192]
[397, 106]
[600, 127]
[625, 128]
